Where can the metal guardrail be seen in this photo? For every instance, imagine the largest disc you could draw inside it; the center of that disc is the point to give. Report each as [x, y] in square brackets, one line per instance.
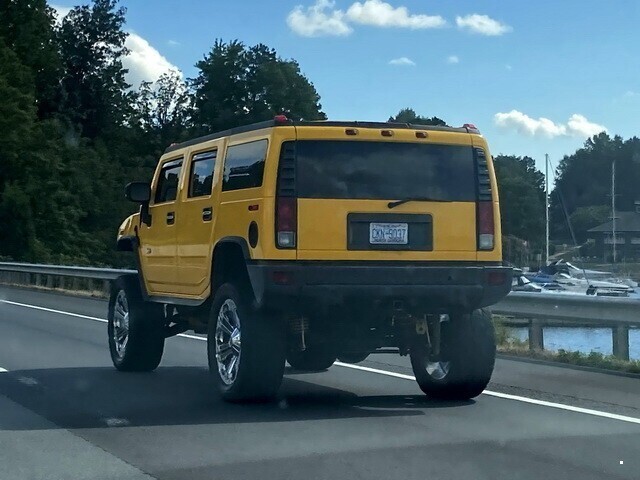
[59, 276]
[535, 310]
[583, 309]
[63, 271]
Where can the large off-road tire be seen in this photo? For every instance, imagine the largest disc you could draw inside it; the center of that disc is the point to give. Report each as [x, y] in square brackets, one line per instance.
[136, 328]
[313, 358]
[467, 357]
[246, 348]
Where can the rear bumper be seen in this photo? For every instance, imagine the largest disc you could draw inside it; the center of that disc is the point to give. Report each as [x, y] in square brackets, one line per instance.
[308, 286]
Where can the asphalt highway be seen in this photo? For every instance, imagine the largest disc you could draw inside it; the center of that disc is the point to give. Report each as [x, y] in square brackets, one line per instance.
[66, 413]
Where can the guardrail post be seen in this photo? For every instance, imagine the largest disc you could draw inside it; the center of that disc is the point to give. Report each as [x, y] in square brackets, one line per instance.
[49, 281]
[620, 337]
[38, 280]
[106, 287]
[536, 335]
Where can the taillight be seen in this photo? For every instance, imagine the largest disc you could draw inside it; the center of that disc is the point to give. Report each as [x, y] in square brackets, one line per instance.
[484, 216]
[286, 222]
[485, 226]
[286, 200]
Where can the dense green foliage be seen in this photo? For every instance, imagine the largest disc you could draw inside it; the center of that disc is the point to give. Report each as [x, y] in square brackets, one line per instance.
[409, 115]
[239, 85]
[583, 184]
[521, 188]
[73, 132]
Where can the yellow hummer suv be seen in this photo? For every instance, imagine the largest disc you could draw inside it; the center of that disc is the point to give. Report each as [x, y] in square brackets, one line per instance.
[308, 242]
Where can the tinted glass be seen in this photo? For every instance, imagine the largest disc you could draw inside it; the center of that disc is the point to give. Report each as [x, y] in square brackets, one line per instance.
[379, 170]
[201, 178]
[244, 165]
[167, 188]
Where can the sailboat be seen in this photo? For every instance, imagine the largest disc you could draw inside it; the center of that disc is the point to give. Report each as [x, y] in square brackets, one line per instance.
[564, 276]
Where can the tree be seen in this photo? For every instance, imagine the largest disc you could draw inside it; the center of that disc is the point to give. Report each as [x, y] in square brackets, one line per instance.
[584, 218]
[27, 27]
[91, 41]
[408, 115]
[521, 190]
[17, 117]
[162, 112]
[237, 85]
[584, 181]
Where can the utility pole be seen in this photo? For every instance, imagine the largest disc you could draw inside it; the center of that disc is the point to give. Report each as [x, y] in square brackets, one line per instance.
[546, 205]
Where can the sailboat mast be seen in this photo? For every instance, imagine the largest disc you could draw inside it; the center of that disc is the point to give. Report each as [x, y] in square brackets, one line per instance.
[613, 207]
[546, 205]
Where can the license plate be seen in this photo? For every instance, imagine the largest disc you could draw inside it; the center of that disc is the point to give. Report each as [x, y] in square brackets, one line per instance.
[388, 233]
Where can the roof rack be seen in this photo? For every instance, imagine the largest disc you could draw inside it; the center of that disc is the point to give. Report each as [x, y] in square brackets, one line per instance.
[279, 121]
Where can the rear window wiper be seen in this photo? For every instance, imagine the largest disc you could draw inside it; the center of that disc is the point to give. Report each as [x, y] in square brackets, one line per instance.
[415, 199]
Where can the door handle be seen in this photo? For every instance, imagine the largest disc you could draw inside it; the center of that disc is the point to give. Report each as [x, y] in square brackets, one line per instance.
[171, 218]
[207, 214]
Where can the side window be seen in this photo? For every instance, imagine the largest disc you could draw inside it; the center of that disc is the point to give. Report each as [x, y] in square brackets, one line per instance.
[244, 165]
[167, 188]
[201, 177]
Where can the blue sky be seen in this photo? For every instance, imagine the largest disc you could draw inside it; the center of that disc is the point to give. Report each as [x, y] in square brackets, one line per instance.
[535, 77]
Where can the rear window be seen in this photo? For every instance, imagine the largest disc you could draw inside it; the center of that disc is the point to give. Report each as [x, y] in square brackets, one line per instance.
[384, 170]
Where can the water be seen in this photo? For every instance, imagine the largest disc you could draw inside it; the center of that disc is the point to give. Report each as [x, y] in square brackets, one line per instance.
[583, 340]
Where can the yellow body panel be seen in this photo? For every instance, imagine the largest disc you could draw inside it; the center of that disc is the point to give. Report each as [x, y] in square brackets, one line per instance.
[322, 230]
[177, 259]
[195, 235]
[158, 255]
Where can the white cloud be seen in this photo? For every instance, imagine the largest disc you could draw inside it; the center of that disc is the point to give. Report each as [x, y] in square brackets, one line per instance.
[508, 67]
[381, 14]
[631, 94]
[402, 61]
[60, 12]
[317, 20]
[577, 125]
[453, 59]
[144, 62]
[322, 18]
[483, 25]
[173, 43]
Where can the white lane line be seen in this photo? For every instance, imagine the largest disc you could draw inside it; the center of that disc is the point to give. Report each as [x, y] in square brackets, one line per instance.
[517, 398]
[77, 315]
[51, 310]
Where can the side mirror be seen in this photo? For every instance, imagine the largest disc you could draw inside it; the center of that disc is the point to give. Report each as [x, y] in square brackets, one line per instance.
[138, 192]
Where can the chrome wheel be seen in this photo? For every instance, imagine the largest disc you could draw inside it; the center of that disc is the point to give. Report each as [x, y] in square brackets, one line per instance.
[227, 341]
[437, 370]
[121, 323]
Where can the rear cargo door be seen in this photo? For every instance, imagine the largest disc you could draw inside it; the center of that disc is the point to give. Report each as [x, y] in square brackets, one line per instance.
[386, 200]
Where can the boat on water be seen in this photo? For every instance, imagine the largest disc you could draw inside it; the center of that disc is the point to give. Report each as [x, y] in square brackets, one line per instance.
[566, 277]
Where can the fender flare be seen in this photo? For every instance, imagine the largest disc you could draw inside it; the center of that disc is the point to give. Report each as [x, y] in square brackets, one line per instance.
[240, 241]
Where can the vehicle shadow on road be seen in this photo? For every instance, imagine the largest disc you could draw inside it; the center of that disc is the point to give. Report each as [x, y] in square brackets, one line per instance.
[102, 397]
